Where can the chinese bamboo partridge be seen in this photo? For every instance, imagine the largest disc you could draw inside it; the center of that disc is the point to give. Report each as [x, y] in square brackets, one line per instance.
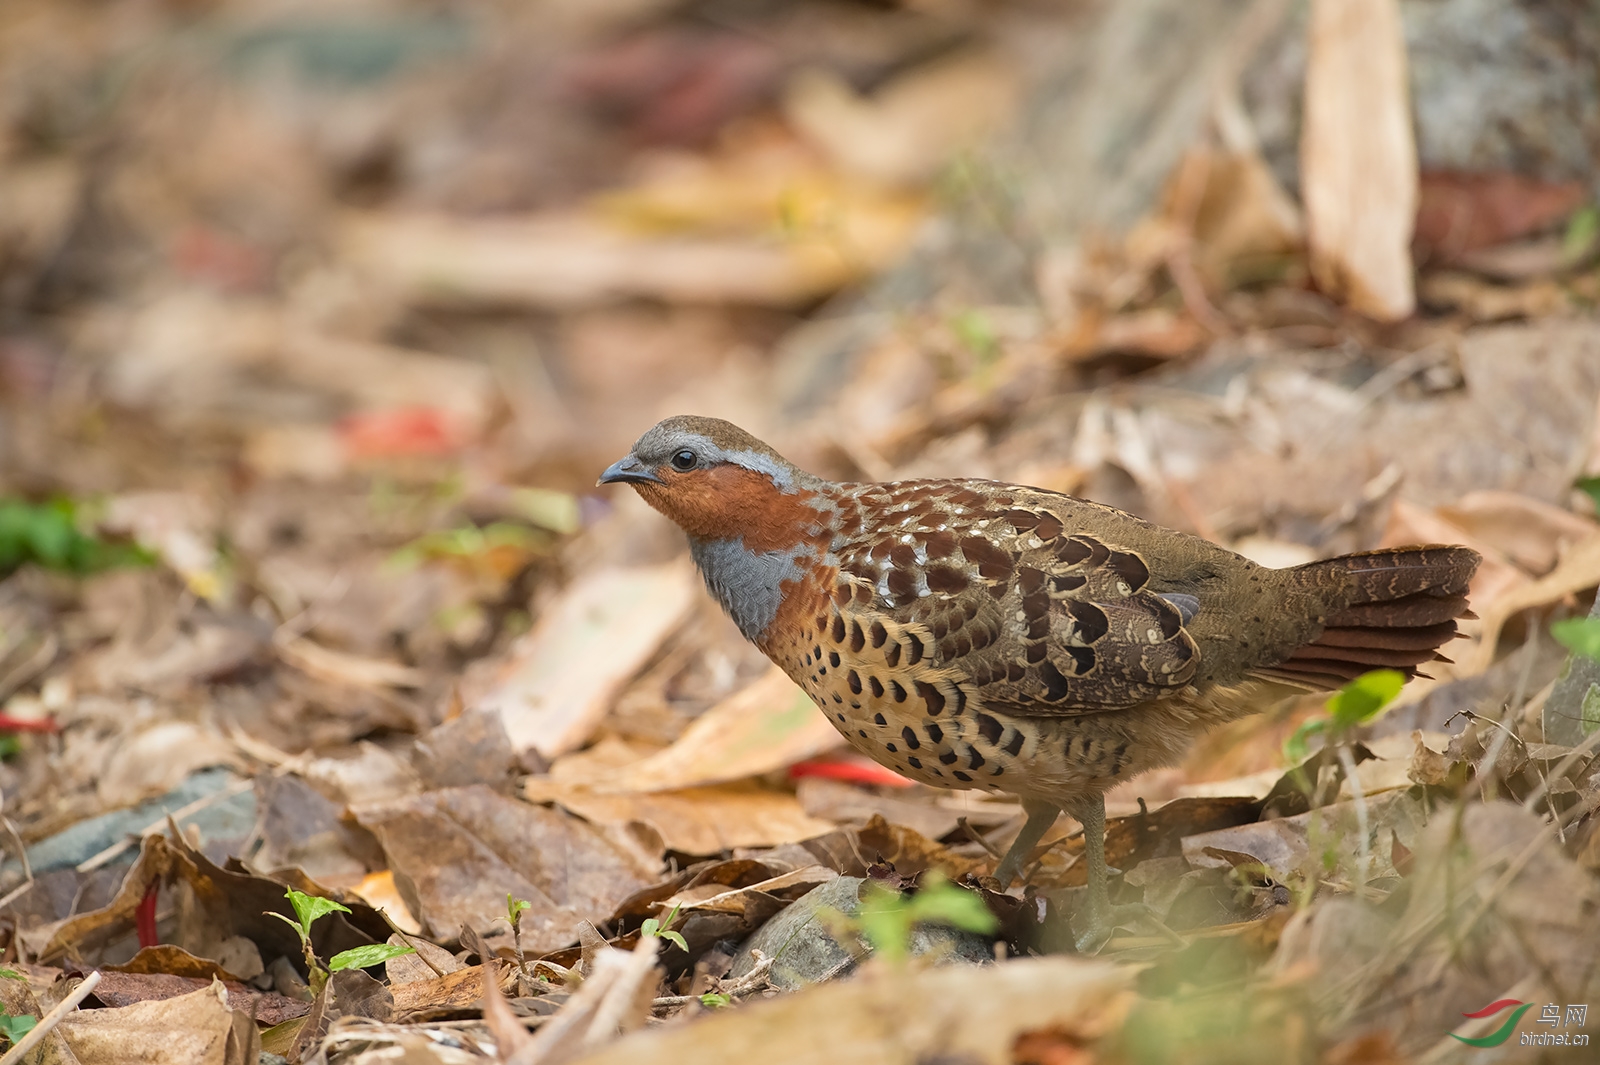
[974, 634]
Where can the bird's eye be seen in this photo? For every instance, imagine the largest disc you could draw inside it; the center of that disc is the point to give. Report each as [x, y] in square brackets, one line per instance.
[684, 460]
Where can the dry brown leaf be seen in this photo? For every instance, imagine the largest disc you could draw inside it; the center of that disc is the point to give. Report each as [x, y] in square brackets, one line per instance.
[1578, 571]
[1486, 302]
[434, 995]
[1533, 534]
[341, 667]
[705, 820]
[767, 725]
[560, 680]
[1240, 219]
[883, 1016]
[571, 261]
[906, 129]
[1358, 158]
[456, 852]
[193, 1029]
[1459, 213]
[615, 997]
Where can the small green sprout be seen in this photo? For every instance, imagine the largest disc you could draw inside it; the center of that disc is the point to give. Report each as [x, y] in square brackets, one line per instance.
[715, 1000]
[14, 1028]
[1354, 704]
[308, 909]
[886, 917]
[1581, 636]
[653, 927]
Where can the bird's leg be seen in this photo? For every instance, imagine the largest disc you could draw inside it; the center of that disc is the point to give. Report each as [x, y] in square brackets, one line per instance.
[1041, 815]
[1096, 925]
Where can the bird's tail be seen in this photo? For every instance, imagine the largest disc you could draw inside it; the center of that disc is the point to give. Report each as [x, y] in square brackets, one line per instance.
[1389, 609]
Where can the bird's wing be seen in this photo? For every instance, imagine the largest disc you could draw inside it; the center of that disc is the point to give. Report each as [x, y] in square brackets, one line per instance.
[1023, 613]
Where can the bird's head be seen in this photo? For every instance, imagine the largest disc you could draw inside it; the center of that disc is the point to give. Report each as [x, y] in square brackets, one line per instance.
[717, 482]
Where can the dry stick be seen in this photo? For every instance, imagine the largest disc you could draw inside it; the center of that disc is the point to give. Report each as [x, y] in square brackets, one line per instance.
[51, 1019]
[977, 837]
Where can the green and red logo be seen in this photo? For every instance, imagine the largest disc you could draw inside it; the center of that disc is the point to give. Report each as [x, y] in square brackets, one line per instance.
[1502, 1033]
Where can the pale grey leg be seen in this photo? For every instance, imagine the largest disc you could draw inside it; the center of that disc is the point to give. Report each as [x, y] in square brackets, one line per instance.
[1041, 815]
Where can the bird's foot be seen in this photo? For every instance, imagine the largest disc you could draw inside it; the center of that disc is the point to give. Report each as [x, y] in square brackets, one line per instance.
[1094, 925]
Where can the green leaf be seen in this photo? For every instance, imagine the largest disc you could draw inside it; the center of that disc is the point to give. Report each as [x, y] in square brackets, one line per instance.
[977, 334]
[651, 927]
[1589, 486]
[369, 955]
[1361, 699]
[676, 938]
[715, 1000]
[1581, 636]
[886, 917]
[11, 974]
[1298, 746]
[1582, 229]
[515, 907]
[941, 902]
[309, 908]
[14, 1028]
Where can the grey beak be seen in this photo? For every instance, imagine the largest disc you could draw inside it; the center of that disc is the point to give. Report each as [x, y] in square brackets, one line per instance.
[628, 471]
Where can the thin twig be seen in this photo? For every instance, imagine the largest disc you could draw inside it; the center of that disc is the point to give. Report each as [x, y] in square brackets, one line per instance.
[977, 837]
[51, 1019]
[751, 982]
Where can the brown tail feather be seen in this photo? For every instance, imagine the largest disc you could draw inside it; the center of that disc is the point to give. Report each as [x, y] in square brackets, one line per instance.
[1389, 609]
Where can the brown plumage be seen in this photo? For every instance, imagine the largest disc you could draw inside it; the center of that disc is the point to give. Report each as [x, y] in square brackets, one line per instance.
[974, 634]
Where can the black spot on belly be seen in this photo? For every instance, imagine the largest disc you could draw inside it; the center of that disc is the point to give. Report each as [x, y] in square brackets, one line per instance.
[948, 757]
[876, 687]
[935, 733]
[974, 759]
[916, 763]
[1082, 659]
[1014, 748]
[898, 692]
[861, 732]
[839, 716]
[892, 655]
[838, 629]
[990, 728]
[914, 650]
[858, 639]
[959, 775]
[838, 698]
[910, 738]
[997, 770]
[879, 634]
[854, 680]
[816, 653]
[932, 696]
[833, 659]
[877, 719]
[891, 748]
